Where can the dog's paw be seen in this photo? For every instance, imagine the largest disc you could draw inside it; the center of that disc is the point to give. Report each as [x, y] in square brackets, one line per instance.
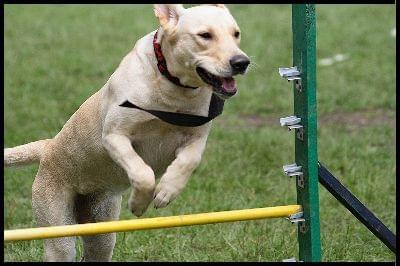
[164, 194]
[138, 204]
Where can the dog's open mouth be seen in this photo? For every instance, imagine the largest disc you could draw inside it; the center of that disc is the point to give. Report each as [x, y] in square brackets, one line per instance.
[224, 87]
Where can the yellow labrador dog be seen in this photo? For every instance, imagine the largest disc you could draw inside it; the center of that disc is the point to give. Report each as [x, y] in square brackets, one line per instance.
[151, 119]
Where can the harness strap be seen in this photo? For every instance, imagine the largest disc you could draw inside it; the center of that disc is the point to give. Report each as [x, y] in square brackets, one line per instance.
[182, 119]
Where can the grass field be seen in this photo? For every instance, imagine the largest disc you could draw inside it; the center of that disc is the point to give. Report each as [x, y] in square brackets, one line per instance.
[57, 56]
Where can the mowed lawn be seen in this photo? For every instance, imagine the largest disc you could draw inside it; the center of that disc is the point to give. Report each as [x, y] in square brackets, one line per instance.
[57, 56]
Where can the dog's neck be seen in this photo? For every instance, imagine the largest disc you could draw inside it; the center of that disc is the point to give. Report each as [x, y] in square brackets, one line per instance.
[176, 68]
[170, 95]
[162, 64]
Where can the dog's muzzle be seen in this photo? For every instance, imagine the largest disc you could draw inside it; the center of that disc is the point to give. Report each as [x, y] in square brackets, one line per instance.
[224, 87]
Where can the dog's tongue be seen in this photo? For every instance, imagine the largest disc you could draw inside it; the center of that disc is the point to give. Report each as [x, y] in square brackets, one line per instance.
[229, 85]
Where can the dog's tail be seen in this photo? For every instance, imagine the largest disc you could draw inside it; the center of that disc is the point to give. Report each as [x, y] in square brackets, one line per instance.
[25, 154]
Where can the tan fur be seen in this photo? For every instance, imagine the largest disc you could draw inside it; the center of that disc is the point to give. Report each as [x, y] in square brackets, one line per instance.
[104, 149]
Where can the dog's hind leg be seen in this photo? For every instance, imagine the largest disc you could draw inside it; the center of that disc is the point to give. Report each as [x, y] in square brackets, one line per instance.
[52, 204]
[98, 207]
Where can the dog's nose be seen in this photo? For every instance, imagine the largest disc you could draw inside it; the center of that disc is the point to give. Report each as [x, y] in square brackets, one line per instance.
[239, 64]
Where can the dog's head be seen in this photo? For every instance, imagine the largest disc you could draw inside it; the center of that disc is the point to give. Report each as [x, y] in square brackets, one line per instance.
[201, 45]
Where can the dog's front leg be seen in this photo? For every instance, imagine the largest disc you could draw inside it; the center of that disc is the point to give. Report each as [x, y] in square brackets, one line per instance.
[178, 172]
[140, 175]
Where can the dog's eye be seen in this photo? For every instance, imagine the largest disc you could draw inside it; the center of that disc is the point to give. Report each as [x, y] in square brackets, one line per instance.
[205, 35]
[237, 34]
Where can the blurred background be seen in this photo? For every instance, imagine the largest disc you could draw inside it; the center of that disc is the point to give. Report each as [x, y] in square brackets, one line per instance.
[56, 56]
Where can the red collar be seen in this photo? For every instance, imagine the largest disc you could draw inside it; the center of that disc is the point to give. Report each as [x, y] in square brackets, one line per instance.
[162, 64]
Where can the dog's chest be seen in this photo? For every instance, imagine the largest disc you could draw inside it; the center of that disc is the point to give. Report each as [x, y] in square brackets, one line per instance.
[156, 143]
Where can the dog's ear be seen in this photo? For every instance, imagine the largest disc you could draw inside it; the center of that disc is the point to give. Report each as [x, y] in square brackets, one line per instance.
[168, 15]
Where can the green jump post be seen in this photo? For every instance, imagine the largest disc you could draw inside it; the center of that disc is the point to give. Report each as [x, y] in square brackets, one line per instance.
[305, 107]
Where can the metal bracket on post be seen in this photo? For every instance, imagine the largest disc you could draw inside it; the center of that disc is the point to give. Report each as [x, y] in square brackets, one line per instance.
[303, 227]
[291, 73]
[296, 218]
[293, 122]
[294, 170]
[300, 181]
[291, 260]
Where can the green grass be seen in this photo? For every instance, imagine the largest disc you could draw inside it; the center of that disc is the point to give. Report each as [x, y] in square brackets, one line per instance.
[57, 56]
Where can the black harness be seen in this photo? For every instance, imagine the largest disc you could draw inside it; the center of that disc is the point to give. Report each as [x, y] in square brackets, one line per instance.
[179, 119]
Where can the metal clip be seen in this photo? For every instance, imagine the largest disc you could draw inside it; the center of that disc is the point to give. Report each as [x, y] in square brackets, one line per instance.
[291, 73]
[292, 170]
[290, 260]
[296, 218]
[290, 121]
[293, 122]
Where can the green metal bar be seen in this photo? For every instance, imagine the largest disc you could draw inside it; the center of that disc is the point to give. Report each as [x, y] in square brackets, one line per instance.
[305, 107]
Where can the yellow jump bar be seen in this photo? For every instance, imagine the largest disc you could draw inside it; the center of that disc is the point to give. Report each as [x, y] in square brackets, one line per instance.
[150, 223]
